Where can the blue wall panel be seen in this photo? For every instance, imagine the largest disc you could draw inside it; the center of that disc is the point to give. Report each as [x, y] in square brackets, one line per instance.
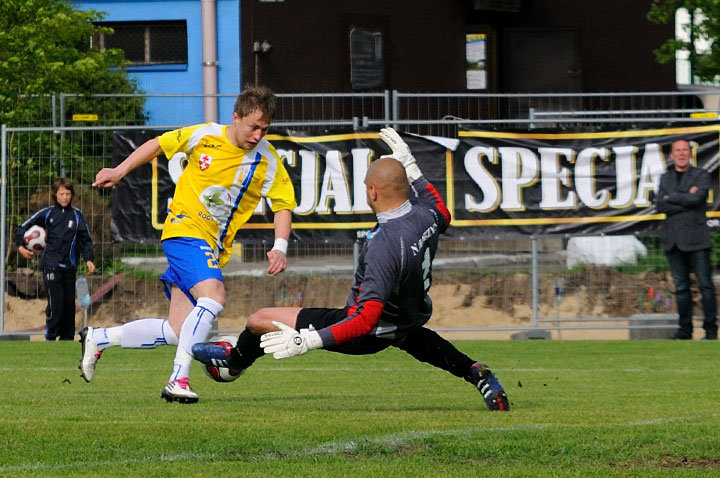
[182, 79]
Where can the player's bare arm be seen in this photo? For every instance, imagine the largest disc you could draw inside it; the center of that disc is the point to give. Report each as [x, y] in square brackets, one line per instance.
[108, 177]
[277, 255]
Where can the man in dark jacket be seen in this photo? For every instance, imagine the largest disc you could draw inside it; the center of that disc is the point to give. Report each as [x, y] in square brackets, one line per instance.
[67, 237]
[682, 195]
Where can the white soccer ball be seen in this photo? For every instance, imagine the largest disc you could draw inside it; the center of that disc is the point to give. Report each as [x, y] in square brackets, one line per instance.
[34, 238]
[222, 374]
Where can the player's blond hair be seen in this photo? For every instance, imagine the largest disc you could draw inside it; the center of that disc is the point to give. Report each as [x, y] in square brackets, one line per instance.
[256, 97]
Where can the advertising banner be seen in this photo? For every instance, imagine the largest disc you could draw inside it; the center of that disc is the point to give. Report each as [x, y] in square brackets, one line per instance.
[571, 183]
[495, 183]
[327, 172]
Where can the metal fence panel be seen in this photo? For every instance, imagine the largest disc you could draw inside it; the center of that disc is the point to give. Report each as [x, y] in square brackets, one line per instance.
[480, 284]
[441, 114]
[295, 110]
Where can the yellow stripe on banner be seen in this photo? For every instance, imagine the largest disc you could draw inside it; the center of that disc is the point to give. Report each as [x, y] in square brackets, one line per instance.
[157, 225]
[449, 183]
[322, 139]
[537, 221]
[596, 135]
[316, 225]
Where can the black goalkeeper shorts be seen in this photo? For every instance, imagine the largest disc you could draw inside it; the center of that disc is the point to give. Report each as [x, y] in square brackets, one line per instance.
[320, 318]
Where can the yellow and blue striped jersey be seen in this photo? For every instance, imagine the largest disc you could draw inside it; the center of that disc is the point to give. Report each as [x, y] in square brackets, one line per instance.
[221, 185]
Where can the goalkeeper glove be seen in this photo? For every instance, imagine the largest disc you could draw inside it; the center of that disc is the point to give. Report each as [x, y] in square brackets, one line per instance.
[288, 342]
[401, 152]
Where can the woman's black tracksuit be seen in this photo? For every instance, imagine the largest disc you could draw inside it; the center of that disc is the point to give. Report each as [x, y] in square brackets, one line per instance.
[68, 236]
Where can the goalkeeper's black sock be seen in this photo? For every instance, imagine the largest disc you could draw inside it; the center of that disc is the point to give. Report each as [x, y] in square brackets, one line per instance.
[246, 351]
[427, 346]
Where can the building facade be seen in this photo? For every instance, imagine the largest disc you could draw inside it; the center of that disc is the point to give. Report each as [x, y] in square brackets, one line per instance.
[164, 40]
[292, 46]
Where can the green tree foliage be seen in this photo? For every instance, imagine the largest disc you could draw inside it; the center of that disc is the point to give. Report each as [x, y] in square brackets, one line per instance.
[705, 64]
[44, 49]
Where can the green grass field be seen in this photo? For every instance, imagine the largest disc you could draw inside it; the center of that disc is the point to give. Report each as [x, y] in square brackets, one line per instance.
[579, 408]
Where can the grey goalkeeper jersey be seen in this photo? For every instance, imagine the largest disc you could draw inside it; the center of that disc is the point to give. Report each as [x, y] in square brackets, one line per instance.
[394, 274]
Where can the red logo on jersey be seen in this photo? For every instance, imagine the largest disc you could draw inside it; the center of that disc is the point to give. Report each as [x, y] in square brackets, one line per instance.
[205, 161]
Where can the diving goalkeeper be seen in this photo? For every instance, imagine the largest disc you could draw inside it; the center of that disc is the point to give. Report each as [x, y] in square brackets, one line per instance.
[389, 303]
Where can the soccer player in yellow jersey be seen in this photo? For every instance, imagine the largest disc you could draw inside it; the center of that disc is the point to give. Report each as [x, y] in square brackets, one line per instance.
[230, 169]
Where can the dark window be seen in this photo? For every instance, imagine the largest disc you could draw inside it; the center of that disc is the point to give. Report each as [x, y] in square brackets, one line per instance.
[366, 60]
[147, 43]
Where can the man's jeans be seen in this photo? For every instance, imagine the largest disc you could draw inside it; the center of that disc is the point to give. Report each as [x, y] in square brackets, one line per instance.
[698, 262]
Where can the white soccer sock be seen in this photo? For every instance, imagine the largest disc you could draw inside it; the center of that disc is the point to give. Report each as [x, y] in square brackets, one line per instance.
[142, 333]
[195, 329]
[101, 338]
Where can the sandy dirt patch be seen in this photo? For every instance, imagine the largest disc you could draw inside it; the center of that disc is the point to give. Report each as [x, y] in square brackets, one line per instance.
[500, 304]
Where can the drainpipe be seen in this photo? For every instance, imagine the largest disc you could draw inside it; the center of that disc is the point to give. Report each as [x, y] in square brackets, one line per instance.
[209, 61]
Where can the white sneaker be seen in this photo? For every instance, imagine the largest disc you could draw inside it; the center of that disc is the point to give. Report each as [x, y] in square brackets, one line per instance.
[179, 391]
[90, 354]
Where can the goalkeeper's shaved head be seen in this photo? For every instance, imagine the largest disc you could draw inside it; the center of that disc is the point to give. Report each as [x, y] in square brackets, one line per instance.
[386, 184]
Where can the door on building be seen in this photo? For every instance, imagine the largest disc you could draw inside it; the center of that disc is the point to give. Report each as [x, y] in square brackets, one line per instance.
[539, 60]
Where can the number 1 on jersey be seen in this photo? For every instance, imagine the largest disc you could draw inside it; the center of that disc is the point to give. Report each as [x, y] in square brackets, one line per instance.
[427, 266]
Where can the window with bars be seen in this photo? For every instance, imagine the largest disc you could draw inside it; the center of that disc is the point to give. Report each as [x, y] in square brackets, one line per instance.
[146, 43]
